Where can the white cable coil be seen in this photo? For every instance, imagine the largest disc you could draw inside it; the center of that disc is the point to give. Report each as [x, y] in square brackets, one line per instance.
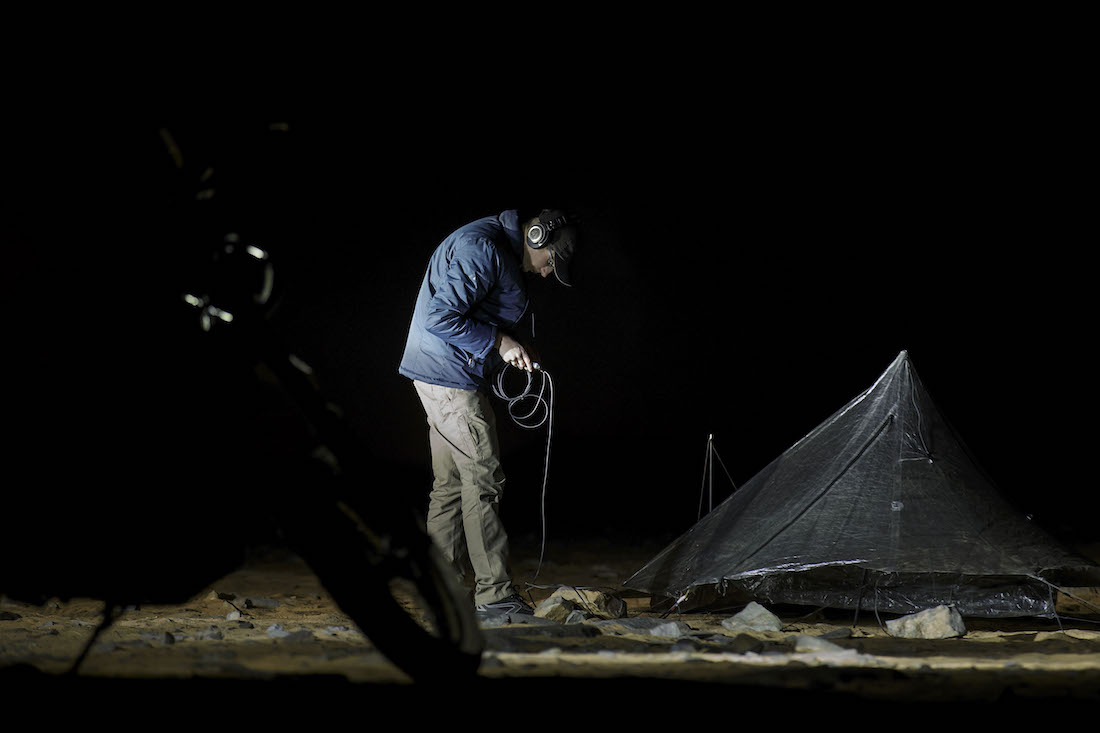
[541, 413]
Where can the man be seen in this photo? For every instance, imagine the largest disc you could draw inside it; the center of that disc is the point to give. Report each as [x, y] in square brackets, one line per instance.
[470, 316]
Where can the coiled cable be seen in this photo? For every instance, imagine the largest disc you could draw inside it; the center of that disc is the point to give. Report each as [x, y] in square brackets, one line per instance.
[541, 413]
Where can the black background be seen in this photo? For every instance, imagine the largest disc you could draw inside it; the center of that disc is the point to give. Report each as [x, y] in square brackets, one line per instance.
[750, 262]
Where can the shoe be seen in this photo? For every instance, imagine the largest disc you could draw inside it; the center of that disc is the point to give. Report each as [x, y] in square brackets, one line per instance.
[513, 605]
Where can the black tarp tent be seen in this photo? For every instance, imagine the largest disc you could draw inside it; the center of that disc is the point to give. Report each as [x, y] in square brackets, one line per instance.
[880, 507]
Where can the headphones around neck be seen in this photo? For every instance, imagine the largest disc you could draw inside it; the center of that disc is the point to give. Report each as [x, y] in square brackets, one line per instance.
[542, 231]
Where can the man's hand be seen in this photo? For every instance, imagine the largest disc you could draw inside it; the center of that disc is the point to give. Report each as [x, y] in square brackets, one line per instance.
[514, 353]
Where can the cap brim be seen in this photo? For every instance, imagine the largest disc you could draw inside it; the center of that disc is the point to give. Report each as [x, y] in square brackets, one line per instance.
[562, 273]
[563, 253]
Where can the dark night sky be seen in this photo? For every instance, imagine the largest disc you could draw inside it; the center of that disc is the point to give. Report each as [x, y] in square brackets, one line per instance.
[741, 277]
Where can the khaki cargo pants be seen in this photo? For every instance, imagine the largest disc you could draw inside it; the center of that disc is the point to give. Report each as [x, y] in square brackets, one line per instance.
[464, 505]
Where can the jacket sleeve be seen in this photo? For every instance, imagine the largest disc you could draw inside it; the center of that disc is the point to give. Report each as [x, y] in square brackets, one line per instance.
[470, 275]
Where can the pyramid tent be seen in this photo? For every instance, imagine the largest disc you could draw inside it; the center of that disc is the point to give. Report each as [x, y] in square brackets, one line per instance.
[880, 507]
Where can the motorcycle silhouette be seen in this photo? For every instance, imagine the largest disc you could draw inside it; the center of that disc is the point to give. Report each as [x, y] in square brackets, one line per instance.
[232, 434]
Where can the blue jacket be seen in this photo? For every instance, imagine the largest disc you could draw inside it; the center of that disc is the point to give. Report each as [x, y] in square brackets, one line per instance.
[472, 290]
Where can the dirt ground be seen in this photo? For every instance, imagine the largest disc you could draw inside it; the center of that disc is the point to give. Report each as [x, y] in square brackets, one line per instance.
[281, 641]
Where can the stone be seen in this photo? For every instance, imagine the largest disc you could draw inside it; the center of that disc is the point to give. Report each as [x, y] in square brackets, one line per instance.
[753, 617]
[576, 617]
[260, 603]
[670, 630]
[555, 608]
[841, 633]
[941, 622]
[688, 645]
[212, 633]
[807, 643]
[593, 602]
[276, 631]
[647, 626]
[9, 616]
[740, 644]
[233, 615]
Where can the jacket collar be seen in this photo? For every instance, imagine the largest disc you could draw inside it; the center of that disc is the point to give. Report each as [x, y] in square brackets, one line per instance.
[509, 220]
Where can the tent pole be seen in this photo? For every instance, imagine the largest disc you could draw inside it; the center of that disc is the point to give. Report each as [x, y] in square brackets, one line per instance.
[703, 483]
[710, 459]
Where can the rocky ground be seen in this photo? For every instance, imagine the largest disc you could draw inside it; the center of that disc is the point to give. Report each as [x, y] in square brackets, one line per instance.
[269, 635]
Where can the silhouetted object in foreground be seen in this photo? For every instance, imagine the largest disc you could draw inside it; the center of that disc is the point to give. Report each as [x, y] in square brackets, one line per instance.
[217, 435]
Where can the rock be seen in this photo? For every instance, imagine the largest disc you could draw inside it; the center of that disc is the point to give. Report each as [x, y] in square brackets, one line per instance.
[576, 617]
[753, 617]
[261, 603]
[807, 643]
[670, 630]
[276, 631]
[212, 633]
[941, 622]
[841, 633]
[233, 615]
[688, 645]
[593, 602]
[740, 644]
[9, 616]
[555, 608]
[643, 625]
